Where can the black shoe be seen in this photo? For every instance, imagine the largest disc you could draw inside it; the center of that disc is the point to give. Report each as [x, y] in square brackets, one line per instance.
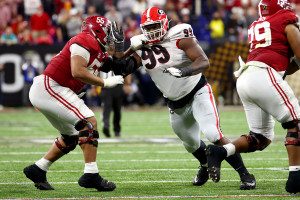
[293, 182]
[117, 134]
[106, 132]
[89, 180]
[248, 182]
[215, 155]
[202, 177]
[38, 176]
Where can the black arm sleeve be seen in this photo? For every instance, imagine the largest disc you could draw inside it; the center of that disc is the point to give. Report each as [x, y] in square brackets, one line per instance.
[125, 66]
[107, 66]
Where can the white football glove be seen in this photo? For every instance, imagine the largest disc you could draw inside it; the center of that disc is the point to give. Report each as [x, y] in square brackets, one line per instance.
[137, 42]
[113, 81]
[174, 72]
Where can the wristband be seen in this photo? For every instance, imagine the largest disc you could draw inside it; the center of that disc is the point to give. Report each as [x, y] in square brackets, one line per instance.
[186, 71]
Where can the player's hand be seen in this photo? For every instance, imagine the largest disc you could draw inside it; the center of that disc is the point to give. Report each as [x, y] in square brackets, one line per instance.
[173, 71]
[117, 37]
[137, 42]
[113, 81]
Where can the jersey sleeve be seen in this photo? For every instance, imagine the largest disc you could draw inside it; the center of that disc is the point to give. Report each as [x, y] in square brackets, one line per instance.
[289, 17]
[87, 42]
[181, 31]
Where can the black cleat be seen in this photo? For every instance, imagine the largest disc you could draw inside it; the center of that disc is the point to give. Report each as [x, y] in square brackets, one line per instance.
[215, 156]
[293, 182]
[248, 182]
[89, 180]
[38, 176]
[202, 177]
[106, 132]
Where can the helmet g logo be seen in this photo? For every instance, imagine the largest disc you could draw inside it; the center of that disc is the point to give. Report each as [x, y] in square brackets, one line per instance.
[161, 12]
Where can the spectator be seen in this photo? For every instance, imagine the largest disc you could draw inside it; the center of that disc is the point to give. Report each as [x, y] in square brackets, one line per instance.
[99, 5]
[79, 5]
[139, 6]
[18, 24]
[125, 7]
[174, 19]
[129, 30]
[5, 15]
[114, 15]
[74, 23]
[26, 37]
[31, 6]
[39, 23]
[185, 16]
[216, 26]
[91, 11]
[8, 37]
[235, 25]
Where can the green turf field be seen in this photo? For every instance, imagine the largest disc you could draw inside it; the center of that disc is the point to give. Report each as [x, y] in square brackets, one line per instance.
[147, 162]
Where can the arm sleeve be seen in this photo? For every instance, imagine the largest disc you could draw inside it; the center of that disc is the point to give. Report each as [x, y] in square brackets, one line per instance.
[78, 50]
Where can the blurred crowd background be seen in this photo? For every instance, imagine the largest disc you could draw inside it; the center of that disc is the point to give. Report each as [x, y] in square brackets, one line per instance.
[219, 25]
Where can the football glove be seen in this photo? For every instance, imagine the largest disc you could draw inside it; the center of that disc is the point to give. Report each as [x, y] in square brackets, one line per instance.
[137, 42]
[186, 71]
[113, 81]
[117, 37]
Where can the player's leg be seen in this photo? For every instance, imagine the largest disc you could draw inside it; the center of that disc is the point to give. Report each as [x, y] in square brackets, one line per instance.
[88, 141]
[209, 122]
[187, 129]
[106, 96]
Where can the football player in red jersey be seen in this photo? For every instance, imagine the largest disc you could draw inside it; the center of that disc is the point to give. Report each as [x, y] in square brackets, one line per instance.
[176, 62]
[274, 39]
[54, 94]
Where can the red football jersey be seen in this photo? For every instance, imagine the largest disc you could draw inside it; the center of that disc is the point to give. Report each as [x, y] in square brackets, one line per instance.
[268, 41]
[59, 68]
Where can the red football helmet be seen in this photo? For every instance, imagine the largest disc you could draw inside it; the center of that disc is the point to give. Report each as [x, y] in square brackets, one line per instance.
[154, 24]
[270, 7]
[100, 27]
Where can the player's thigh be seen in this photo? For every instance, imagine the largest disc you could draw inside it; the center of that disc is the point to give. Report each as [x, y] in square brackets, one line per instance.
[206, 114]
[58, 102]
[186, 127]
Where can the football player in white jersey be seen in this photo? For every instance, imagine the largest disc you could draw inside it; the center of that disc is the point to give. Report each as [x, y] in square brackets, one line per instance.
[175, 61]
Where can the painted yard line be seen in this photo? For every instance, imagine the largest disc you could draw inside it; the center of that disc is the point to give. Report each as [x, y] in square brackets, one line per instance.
[165, 197]
[25, 183]
[127, 152]
[133, 160]
[146, 170]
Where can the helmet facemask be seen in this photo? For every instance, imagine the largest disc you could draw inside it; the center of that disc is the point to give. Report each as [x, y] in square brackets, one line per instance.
[153, 31]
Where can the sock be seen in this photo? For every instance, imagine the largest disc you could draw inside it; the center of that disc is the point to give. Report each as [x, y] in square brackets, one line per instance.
[91, 167]
[237, 163]
[294, 168]
[44, 164]
[200, 154]
[230, 148]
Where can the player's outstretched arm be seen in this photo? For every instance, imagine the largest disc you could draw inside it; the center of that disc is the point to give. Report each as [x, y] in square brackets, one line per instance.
[195, 53]
[79, 71]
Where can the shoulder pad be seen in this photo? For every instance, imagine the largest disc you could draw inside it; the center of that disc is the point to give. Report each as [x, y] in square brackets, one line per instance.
[180, 31]
[87, 41]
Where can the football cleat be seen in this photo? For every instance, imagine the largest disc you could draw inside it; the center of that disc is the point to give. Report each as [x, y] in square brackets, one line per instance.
[202, 177]
[248, 182]
[89, 180]
[38, 176]
[215, 156]
[293, 182]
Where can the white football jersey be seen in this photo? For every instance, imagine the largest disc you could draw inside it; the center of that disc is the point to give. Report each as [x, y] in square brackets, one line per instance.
[164, 54]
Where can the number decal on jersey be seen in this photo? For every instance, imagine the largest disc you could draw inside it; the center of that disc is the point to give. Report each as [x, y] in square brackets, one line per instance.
[158, 50]
[260, 35]
[188, 32]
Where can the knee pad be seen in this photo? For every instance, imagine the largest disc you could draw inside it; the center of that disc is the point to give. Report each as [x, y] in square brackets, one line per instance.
[296, 141]
[290, 124]
[256, 142]
[70, 142]
[89, 135]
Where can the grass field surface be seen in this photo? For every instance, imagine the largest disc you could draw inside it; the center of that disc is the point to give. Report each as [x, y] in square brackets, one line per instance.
[147, 162]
